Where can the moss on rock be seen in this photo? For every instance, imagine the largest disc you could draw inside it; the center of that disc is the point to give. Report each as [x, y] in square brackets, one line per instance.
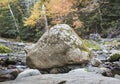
[114, 57]
[4, 49]
[91, 44]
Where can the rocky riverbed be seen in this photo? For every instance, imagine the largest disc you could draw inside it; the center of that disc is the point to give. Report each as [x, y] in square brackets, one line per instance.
[78, 76]
[106, 61]
[11, 64]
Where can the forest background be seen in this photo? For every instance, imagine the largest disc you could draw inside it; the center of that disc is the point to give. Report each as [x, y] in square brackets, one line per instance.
[26, 18]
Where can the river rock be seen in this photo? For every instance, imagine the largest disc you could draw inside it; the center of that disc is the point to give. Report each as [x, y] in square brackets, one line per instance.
[95, 37]
[28, 73]
[6, 77]
[8, 74]
[3, 58]
[96, 62]
[117, 76]
[73, 77]
[58, 47]
[113, 66]
[114, 57]
[104, 71]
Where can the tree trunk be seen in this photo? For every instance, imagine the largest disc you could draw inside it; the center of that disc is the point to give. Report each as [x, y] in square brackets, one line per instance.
[16, 25]
[44, 17]
[100, 18]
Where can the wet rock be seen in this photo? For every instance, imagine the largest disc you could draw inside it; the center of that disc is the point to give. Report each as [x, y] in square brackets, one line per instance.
[102, 57]
[11, 67]
[21, 67]
[117, 76]
[10, 62]
[6, 77]
[116, 68]
[77, 66]
[3, 58]
[8, 74]
[107, 65]
[8, 71]
[113, 66]
[115, 71]
[95, 37]
[106, 72]
[54, 71]
[18, 56]
[15, 73]
[117, 63]
[59, 70]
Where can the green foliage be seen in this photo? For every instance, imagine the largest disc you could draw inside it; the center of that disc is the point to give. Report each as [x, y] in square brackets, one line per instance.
[103, 20]
[114, 42]
[35, 15]
[7, 25]
[31, 34]
[4, 49]
[84, 23]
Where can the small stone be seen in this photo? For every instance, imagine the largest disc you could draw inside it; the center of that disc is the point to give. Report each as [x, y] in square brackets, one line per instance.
[96, 62]
[54, 71]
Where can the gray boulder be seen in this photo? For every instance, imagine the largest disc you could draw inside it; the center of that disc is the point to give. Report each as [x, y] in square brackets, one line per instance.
[58, 47]
[28, 73]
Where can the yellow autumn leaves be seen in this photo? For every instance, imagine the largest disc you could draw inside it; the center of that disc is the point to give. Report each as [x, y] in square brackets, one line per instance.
[35, 15]
[53, 9]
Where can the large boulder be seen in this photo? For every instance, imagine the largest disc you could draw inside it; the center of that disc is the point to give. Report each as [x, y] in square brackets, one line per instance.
[58, 47]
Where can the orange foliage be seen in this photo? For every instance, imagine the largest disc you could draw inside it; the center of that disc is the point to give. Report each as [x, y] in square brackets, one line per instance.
[53, 9]
[56, 21]
[77, 24]
[59, 7]
[56, 10]
[4, 3]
